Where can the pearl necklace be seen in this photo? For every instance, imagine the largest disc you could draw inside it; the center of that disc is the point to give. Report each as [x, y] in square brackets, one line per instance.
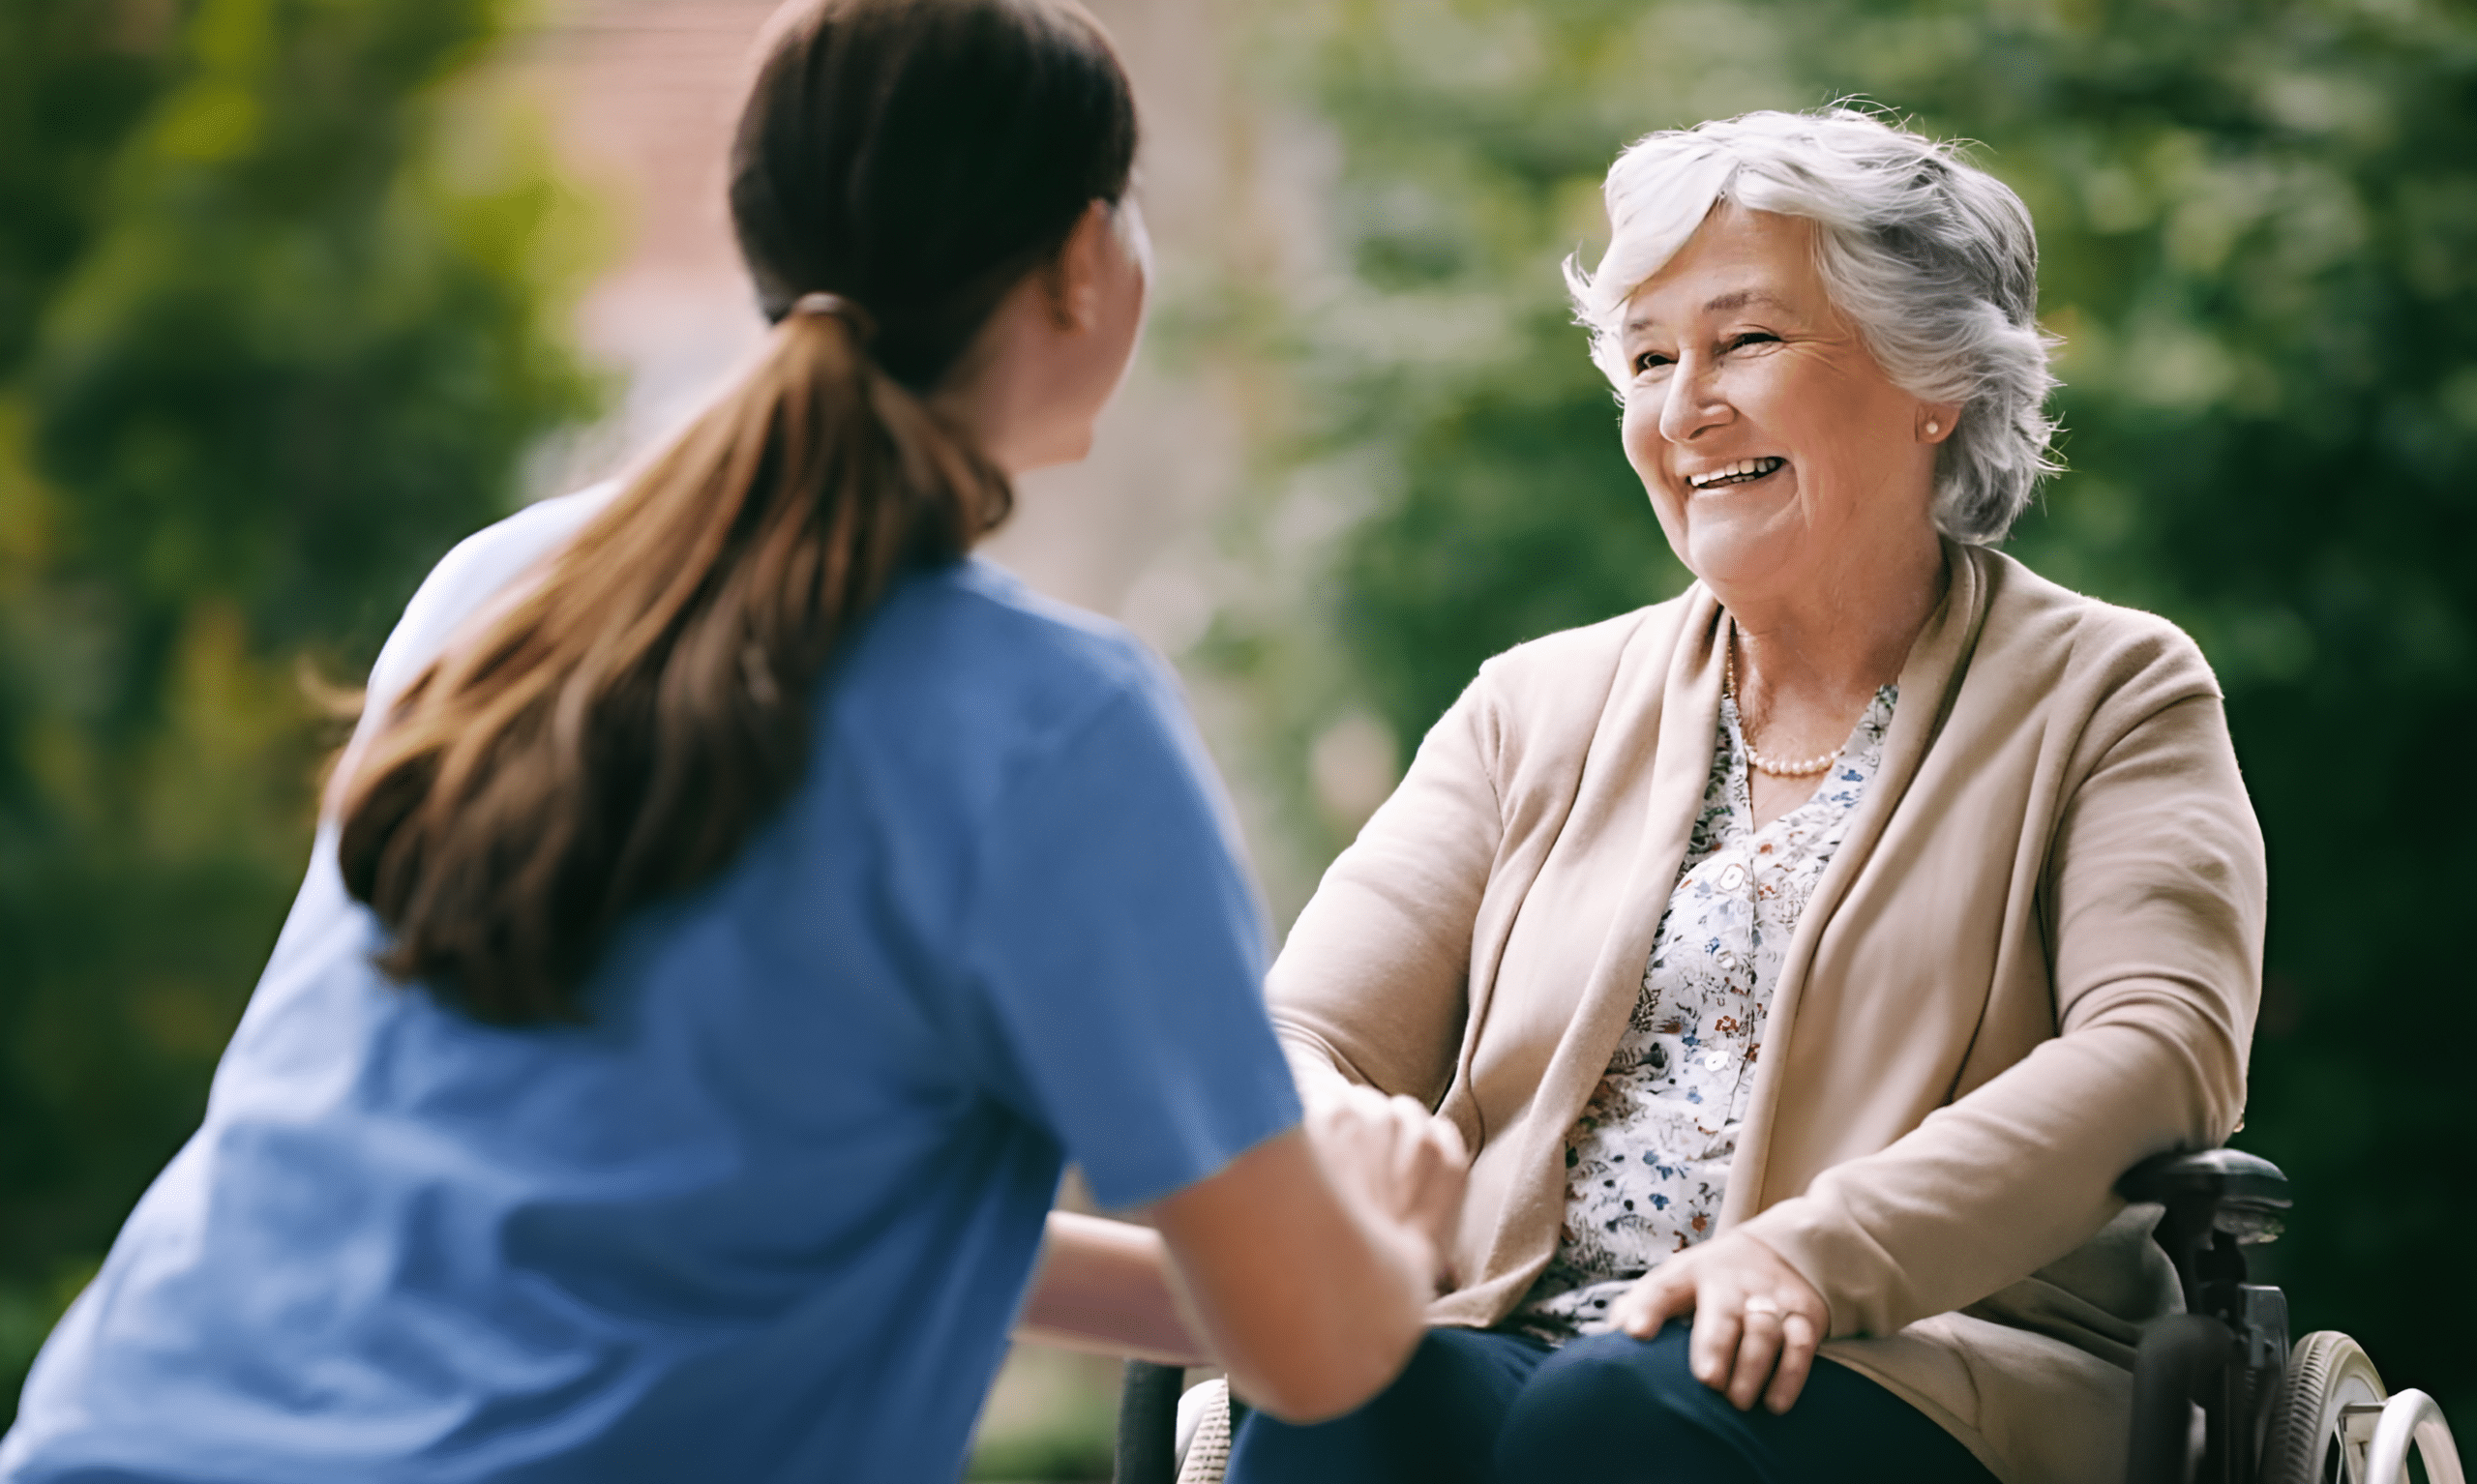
[1804, 767]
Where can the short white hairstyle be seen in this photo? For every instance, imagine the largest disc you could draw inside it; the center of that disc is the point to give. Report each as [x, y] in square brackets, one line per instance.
[1932, 259]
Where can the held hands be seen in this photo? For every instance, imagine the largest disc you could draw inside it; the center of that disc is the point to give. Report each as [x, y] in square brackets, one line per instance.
[1755, 1319]
[1398, 1163]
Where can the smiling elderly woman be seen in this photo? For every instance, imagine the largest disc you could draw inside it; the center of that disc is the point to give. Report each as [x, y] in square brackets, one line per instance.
[1811, 952]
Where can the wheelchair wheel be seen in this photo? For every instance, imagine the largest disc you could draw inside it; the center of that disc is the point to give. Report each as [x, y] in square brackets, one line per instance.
[2309, 1440]
[1204, 1433]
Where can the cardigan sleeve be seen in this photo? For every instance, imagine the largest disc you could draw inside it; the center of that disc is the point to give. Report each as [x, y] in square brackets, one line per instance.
[1372, 985]
[2154, 900]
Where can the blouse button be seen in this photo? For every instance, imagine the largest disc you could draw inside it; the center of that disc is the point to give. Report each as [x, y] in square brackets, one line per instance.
[1716, 1060]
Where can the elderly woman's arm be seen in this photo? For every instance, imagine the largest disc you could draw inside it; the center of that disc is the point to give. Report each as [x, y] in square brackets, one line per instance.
[2154, 899]
[1387, 940]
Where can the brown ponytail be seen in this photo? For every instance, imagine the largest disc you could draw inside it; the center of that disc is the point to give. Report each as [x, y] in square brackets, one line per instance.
[616, 733]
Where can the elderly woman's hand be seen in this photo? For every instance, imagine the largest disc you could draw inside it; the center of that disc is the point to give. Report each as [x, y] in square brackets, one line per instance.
[1754, 1317]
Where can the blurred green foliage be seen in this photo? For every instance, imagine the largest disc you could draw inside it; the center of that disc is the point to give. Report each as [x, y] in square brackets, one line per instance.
[2259, 231]
[1051, 1416]
[279, 287]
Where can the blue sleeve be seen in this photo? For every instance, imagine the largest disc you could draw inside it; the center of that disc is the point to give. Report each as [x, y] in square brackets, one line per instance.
[1121, 951]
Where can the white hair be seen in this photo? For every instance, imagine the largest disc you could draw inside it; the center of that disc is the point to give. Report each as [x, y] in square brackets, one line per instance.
[1932, 258]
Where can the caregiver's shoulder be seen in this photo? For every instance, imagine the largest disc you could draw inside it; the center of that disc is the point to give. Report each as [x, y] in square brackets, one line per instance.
[997, 653]
[471, 573]
[989, 642]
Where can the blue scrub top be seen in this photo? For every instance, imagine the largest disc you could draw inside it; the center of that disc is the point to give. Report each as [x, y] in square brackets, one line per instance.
[769, 1214]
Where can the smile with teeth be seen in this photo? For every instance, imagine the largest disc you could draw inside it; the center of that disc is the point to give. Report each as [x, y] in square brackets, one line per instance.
[1741, 472]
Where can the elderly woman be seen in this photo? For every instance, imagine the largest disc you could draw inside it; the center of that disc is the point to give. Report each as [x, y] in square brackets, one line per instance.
[1807, 954]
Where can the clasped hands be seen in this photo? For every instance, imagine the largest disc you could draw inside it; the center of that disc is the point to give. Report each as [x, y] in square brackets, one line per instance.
[1757, 1322]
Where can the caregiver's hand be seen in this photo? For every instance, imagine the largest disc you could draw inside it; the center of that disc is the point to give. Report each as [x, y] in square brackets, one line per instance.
[1307, 1264]
[1404, 1165]
[1754, 1317]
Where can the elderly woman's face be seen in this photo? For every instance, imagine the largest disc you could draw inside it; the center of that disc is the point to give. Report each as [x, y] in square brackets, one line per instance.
[1773, 447]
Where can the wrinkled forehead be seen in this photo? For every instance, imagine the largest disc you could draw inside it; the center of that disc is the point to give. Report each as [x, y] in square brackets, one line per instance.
[1647, 312]
[1737, 261]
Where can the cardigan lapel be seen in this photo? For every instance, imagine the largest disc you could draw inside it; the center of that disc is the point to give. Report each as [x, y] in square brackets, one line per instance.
[1930, 679]
[1680, 766]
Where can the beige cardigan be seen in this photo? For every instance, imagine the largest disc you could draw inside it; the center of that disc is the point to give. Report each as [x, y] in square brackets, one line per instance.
[2034, 960]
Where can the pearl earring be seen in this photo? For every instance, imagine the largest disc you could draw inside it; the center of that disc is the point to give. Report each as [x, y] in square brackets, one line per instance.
[1932, 429]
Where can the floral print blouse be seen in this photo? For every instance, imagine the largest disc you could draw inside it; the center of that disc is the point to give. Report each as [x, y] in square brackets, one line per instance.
[1648, 1162]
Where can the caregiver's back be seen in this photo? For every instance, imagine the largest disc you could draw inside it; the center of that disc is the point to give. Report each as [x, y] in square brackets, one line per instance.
[738, 901]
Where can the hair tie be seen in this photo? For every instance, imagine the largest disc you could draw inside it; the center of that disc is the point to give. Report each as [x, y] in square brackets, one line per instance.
[850, 312]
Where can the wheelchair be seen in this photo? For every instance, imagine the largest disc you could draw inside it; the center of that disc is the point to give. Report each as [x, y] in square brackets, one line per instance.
[2219, 1394]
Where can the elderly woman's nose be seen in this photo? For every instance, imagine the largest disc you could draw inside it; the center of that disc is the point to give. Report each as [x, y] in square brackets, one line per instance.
[1693, 400]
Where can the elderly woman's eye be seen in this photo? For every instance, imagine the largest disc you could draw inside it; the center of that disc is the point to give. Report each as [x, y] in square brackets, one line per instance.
[1647, 360]
[1755, 337]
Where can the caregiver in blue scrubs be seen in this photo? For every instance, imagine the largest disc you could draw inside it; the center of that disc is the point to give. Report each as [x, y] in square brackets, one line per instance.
[738, 903]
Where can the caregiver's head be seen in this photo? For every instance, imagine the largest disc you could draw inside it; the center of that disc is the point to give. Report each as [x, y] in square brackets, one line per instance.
[928, 194]
[924, 158]
[1823, 330]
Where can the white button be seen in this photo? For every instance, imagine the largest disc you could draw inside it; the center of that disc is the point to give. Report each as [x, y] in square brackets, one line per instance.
[1716, 1060]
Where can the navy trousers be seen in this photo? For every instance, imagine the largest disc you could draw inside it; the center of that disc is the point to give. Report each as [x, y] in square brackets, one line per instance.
[1477, 1407]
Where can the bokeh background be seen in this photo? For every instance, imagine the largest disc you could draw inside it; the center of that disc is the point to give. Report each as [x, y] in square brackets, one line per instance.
[293, 293]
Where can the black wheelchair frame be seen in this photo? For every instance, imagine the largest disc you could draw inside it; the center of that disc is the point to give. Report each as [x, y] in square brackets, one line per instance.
[2218, 1396]
[2203, 1381]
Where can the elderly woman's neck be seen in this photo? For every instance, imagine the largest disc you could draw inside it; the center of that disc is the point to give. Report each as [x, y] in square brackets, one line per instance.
[1812, 653]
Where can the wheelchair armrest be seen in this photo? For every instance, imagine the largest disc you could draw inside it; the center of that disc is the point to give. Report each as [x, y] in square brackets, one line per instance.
[2218, 1201]
[2226, 1351]
[2228, 1177]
